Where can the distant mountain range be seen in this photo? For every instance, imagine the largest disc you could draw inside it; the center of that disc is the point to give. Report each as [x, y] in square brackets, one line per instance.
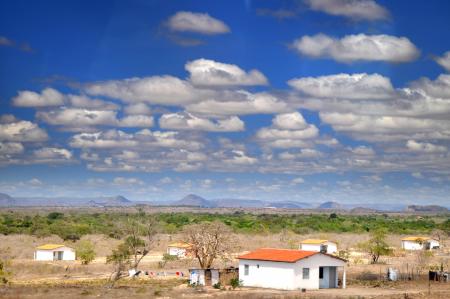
[8, 201]
[193, 200]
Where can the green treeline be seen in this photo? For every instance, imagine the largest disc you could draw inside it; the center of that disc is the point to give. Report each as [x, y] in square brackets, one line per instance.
[73, 225]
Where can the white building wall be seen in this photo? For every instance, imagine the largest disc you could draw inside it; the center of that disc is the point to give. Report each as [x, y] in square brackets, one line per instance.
[310, 247]
[433, 243]
[287, 276]
[331, 247]
[313, 263]
[47, 255]
[411, 245]
[69, 253]
[197, 276]
[176, 251]
[276, 275]
[43, 255]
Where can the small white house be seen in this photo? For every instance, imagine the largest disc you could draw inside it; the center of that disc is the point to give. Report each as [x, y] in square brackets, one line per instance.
[54, 252]
[180, 249]
[419, 243]
[291, 269]
[319, 246]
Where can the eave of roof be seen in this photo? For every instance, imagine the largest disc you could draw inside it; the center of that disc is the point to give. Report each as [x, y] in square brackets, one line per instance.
[314, 241]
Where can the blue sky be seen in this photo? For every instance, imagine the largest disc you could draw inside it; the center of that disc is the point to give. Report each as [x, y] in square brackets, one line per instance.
[281, 100]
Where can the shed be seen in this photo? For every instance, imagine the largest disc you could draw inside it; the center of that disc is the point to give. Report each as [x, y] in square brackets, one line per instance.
[288, 269]
[209, 277]
[419, 243]
[54, 252]
[319, 245]
[179, 249]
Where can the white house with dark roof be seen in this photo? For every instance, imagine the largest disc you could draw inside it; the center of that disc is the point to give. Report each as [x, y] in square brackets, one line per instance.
[54, 252]
[291, 269]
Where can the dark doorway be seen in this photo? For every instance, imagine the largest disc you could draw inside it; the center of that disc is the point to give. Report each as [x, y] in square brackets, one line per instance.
[208, 277]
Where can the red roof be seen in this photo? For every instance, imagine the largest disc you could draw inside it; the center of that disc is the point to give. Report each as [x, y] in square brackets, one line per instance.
[277, 255]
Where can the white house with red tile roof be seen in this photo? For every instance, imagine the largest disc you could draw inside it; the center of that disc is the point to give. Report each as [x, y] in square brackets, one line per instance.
[291, 269]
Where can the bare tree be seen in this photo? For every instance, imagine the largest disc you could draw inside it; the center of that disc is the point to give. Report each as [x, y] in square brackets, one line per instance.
[423, 259]
[140, 237]
[209, 241]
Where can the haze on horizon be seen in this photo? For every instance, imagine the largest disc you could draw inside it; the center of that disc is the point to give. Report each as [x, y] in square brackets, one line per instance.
[307, 101]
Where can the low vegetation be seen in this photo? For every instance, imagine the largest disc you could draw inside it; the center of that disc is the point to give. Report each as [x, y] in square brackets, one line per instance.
[85, 252]
[376, 246]
[73, 225]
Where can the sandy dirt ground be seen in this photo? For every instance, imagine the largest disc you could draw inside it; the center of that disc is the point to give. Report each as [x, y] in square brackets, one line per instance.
[177, 288]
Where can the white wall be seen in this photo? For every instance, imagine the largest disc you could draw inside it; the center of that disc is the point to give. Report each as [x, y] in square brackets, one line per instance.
[331, 247]
[197, 276]
[43, 255]
[287, 276]
[69, 254]
[411, 245]
[310, 247]
[314, 262]
[276, 275]
[433, 243]
[176, 251]
[47, 255]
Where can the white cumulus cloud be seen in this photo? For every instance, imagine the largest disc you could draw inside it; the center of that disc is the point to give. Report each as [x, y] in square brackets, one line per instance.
[353, 9]
[202, 23]
[204, 72]
[357, 47]
[346, 86]
[444, 61]
[187, 121]
[48, 97]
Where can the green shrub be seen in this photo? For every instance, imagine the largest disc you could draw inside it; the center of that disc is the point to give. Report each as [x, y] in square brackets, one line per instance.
[235, 283]
[85, 252]
[217, 286]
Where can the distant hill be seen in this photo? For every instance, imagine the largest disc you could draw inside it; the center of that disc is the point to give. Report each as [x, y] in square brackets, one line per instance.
[193, 200]
[6, 200]
[428, 209]
[290, 205]
[330, 205]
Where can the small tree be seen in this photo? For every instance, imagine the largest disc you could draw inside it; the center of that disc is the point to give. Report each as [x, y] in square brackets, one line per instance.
[376, 246]
[423, 259]
[85, 252]
[120, 259]
[209, 240]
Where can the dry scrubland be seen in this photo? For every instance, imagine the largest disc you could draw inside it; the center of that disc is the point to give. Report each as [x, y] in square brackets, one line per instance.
[33, 279]
[73, 280]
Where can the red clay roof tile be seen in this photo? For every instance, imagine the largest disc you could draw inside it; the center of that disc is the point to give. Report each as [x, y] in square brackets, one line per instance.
[277, 255]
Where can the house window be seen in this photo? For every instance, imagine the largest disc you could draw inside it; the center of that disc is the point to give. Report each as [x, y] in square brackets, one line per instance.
[257, 266]
[305, 273]
[320, 272]
[246, 269]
